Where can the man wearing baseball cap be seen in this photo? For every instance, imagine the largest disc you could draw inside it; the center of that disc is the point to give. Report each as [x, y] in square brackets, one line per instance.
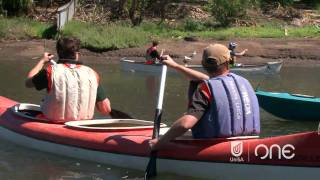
[222, 105]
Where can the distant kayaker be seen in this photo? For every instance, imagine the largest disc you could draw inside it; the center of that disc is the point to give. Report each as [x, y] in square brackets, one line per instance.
[223, 104]
[73, 89]
[234, 54]
[152, 54]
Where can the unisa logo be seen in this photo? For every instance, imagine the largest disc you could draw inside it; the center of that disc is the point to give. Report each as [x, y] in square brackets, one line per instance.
[236, 151]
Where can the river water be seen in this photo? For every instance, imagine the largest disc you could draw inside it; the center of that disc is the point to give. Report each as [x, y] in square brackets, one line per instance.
[136, 94]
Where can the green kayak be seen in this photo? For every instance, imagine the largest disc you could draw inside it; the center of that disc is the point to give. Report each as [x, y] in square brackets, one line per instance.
[290, 106]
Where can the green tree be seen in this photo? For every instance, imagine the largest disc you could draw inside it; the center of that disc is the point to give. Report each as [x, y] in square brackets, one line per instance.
[311, 2]
[16, 7]
[227, 12]
[1, 9]
[137, 10]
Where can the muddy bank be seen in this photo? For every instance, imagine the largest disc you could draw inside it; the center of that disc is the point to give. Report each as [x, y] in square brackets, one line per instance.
[294, 52]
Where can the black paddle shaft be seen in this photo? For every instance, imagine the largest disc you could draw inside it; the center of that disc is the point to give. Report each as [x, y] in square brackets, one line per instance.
[151, 169]
[156, 124]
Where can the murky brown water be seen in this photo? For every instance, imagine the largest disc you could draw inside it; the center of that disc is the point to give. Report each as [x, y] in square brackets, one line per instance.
[134, 93]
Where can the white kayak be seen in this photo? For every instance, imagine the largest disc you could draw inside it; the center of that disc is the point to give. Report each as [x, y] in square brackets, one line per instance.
[266, 68]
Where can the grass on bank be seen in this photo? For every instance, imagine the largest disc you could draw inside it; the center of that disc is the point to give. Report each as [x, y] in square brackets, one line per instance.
[267, 30]
[23, 28]
[105, 37]
[114, 36]
[122, 35]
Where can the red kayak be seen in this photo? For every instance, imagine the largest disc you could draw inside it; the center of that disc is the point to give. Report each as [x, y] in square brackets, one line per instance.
[294, 156]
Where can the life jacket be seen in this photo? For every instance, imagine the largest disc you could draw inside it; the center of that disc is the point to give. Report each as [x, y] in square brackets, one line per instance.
[149, 58]
[233, 111]
[72, 92]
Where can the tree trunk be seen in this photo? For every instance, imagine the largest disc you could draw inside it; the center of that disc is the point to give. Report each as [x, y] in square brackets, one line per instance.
[163, 9]
[137, 10]
[132, 12]
[122, 7]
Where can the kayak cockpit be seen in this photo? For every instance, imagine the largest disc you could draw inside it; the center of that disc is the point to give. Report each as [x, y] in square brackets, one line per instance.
[112, 124]
[32, 112]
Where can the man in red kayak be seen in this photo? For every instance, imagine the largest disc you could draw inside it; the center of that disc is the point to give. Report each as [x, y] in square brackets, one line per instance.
[152, 54]
[222, 105]
[73, 89]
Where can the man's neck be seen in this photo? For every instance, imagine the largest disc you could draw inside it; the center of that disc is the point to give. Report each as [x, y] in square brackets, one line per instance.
[222, 72]
[69, 61]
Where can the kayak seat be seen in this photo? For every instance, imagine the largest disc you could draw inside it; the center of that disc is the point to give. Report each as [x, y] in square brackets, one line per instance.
[29, 111]
[32, 113]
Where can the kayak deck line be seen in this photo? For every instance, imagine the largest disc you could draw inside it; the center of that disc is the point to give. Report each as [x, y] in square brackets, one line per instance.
[284, 95]
[111, 124]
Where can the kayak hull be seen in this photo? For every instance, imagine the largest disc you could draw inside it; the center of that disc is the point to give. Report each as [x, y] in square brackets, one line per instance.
[268, 68]
[294, 156]
[209, 170]
[290, 107]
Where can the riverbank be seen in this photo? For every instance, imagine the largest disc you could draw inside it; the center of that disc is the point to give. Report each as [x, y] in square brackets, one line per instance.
[120, 35]
[293, 51]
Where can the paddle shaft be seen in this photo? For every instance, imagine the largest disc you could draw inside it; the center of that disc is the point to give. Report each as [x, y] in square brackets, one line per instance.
[45, 50]
[151, 169]
[158, 113]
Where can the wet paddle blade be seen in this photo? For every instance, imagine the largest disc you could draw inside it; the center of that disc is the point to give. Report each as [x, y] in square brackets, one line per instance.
[116, 114]
[151, 170]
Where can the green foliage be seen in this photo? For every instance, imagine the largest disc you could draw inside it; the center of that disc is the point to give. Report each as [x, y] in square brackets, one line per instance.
[190, 24]
[105, 37]
[16, 7]
[281, 2]
[21, 28]
[122, 35]
[311, 2]
[318, 8]
[307, 31]
[227, 12]
[137, 10]
[270, 30]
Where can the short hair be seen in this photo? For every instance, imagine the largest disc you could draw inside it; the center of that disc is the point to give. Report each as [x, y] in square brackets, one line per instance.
[67, 47]
[211, 66]
[155, 43]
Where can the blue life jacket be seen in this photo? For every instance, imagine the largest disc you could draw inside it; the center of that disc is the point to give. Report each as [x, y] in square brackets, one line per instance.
[234, 110]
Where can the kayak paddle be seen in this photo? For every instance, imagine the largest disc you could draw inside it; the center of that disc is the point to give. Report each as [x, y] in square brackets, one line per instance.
[151, 169]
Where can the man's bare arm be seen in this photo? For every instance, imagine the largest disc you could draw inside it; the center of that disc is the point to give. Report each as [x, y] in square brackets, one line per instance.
[181, 126]
[190, 73]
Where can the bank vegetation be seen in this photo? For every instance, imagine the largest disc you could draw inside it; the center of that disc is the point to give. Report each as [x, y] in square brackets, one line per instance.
[109, 24]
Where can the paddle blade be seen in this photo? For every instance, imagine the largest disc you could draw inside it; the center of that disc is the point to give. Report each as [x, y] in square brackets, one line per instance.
[151, 170]
[116, 114]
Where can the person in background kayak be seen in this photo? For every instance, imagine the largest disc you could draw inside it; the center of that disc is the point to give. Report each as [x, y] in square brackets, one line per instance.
[234, 54]
[222, 105]
[152, 54]
[73, 89]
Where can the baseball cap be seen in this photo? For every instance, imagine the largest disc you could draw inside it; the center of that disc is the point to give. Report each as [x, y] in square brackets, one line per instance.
[232, 45]
[217, 53]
